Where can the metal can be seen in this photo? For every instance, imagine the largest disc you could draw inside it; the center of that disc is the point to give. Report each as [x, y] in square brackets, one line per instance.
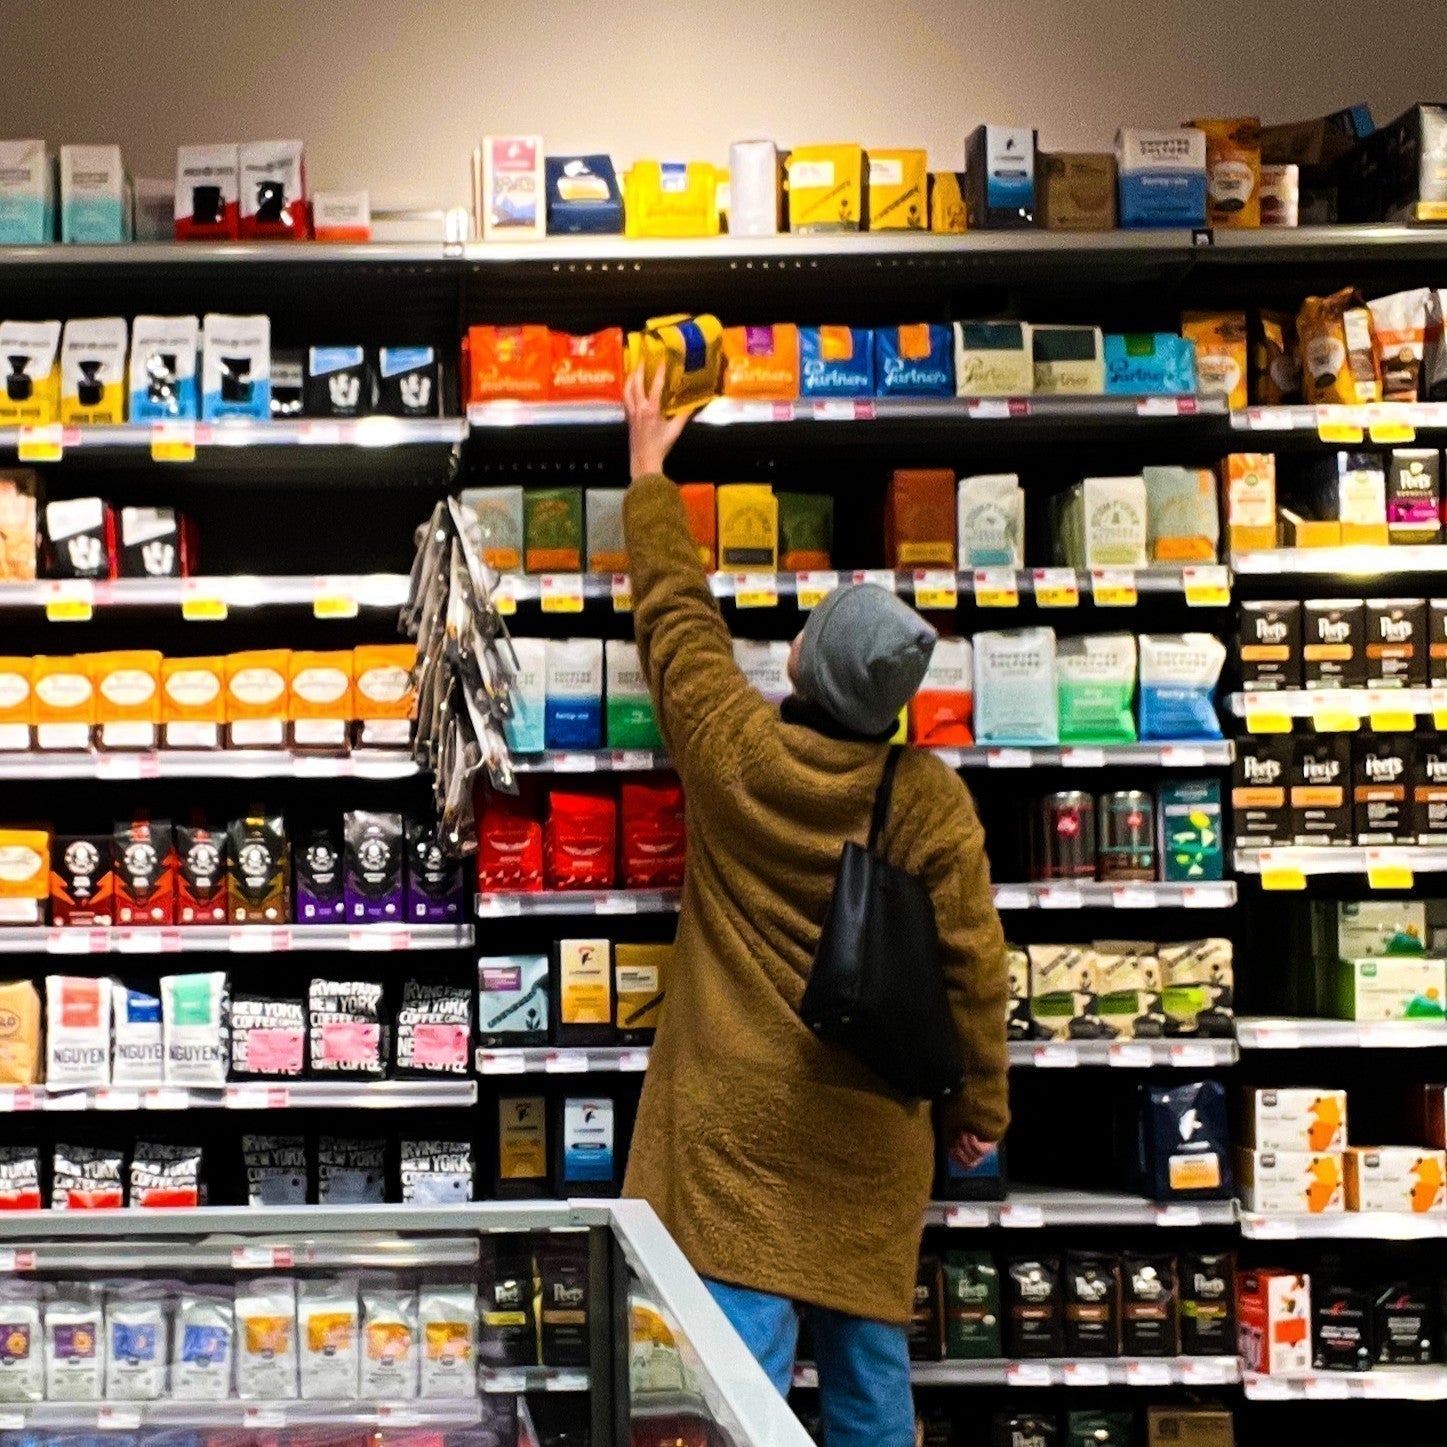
[1065, 836]
[1127, 835]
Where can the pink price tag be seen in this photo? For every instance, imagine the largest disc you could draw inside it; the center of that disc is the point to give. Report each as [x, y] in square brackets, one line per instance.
[275, 1052]
[439, 1045]
[351, 1042]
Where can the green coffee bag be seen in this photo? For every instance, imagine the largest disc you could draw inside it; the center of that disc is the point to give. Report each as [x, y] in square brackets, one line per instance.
[1095, 683]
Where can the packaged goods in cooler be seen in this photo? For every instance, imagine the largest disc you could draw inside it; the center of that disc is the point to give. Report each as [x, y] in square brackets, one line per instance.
[328, 1333]
[95, 196]
[19, 1191]
[258, 870]
[27, 194]
[563, 1301]
[447, 1324]
[373, 866]
[1189, 820]
[1404, 1326]
[434, 1029]
[1399, 329]
[836, 361]
[435, 890]
[65, 708]
[972, 1306]
[1128, 986]
[1091, 1281]
[1062, 992]
[319, 699]
[1220, 341]
[1333, 643]
[1000, 176]
[163, 383]
[1017, 967]
[806, 531]
[78, 1032]
[1102, 523]
[19, 489]
[31, 395]
[276, 1169]
[75, 1342]
[1338, 349]
[940, 712]
[1396, 642]
[1249, 481]
[914, 361]
[920, 522]
[512, 1000]
[165, 1175]
[640, 986]
[268, 1037]
[339, 382]
[1095, 678]
[671, 198]
[193, 702]
[765, 664]
[1015, 687]
[688, 350]
[652, 838]
[553, 529]
[513, 199]
[1033, 1307]
[582, 196]
[827, 187]
[1399, 173]
[1274, 1315]
[1178, 677]
[1269, 646]
[196, 1021]
[522, 1147]
[266, 1339]
[1401, 987]
[390, 1346]
[603, 513]
[1075, 191]
[948, 210]
[1414, 496]
[341, 216]
[927, 1323]
[154, 542]
[574, 693]
[1406, 1179]
[1068, 360]
[207, 193]
[272, 191]
[128, 698]
[761, 362]
[896, 198]
[19, 1033]
[1233, 171]
[24, 875]
[582, 986]
[1290, 1182]
[345, 1027]
[235, 367]
[204, 1343]
[1150, 1297]
[1382, 769]
[86, 1178]
[1295, 1119]
[139, 1044]
[22, 1364]
[78, 538]
[510, 363]
[1147, 364]
[1185, 1142]
[1280, 195]
[1163, 178]
[1208, 1303]
[748, 527]
[408, 382]
[994, 359]
[257, 700]
[580, 840]
[384, 695]
[93, 371]
[524, 729]
[1320, 790]
[1276, 375]
[756, 189]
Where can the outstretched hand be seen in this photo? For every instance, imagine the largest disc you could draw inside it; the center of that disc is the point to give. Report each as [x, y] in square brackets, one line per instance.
[651, 435]
[967, 1151]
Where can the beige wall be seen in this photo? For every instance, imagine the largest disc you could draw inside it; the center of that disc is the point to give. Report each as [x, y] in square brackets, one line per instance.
[391, 94]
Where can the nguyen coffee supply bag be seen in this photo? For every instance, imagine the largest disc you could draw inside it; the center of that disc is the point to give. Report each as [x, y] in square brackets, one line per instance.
[139, 1044]
[78, 1031]
[196, 1019]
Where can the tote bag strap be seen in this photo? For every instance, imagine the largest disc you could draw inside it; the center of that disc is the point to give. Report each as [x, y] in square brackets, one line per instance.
[883, 796]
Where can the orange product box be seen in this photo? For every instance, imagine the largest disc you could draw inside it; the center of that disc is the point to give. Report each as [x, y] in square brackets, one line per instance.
[256, 698]
[587, 368]
[24, 875]
[508, 364]
[383, 696]
[762, 363]
[1273, 1321]
[128, 698]
[919, 526]
[17, 703]
[943, 706]
[701, 506]
[1249, 480]
[320, 691]
[193, 702]
[64, 702]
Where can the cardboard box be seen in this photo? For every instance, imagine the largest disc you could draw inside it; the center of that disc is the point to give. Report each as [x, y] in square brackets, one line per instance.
[1395, 632]
[1371, 928]
[1261, 816]
[897, 197]
[1382, 770]
[207, 193]
[1294, 1120]
[1162, 178]
[27, 194]
[1249, 483]
[1301, 532]
[1075, 191]
[1273, 1312]
[1333, 643]
[1429, 791]
[1270, 646]
[1189, 1427]
[95, 196]
[1391, 987]
[1404, 1326]
[1395, 1178]
[1414, 495]
[1399, 173]
[1000, 177]
[1290, 1183]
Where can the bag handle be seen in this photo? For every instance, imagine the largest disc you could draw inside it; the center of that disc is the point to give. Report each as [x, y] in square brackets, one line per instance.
[883, 796]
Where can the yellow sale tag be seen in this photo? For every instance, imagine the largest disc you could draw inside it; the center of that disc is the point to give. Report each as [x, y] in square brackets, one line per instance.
[1267, 723]
[1389, 876]
[1206, 587]
[334, 606]
[205, 610]
[561, 593]
[622, 591]
[1393, 721]
[1057, 588]
[68, 610]
[1335, 721]
[41, 444]
[1113, 588]
[1439, 722]
[756, 590]
[1282, 876]
[1392, 431]
[813, 588]
[1338, 432]
[935, 590]
[173, 441]
[996, 588]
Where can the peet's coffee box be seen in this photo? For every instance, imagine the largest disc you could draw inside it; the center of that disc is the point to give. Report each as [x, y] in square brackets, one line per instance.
[1395, 631]
[1332, 643]
[1429, 790]
[1437, 640]
[1382, 773]
[1321, 806]
[1270, 646]
[1260, 779]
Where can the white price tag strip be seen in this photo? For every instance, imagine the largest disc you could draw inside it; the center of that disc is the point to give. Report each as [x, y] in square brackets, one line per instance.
[1172, 1215]
[616, 904]
[1011, 896]
[1061, 896]
[1086, 1374]
[967, 1218]
[566, 1062]
[812, 588]
[633, 1061]
[1133, 896]
[1028, 1374]
[1141, 1373]
[1021, 1216]
[1058, 1055]
[880, 577]
[1130, 1055]
[561, 592]
[1082, 758]
[1008, 758]
[503, 1063]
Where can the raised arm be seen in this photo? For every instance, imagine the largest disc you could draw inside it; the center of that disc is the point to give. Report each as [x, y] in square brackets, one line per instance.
[683, 642]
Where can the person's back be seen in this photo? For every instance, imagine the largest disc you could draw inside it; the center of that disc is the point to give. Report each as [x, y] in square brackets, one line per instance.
[780, 1164]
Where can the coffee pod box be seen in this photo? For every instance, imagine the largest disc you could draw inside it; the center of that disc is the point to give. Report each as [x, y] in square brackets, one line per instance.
[93, 371]
[1295, 1120]
[1290, 1183]
[235, 367]
[27, 194]
[1162, 178]
[1000, 177]
[1395, 1178]
[1273, 1312]
[95, 196]
[756, 190]
[272, 187]
[30, 361]
[163, 368]
[207, 192]
[1394, 987]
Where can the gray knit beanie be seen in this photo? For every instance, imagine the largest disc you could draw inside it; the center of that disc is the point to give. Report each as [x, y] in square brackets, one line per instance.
[863, 656]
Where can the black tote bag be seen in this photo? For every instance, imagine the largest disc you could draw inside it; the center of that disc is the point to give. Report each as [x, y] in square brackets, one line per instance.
[876, 988]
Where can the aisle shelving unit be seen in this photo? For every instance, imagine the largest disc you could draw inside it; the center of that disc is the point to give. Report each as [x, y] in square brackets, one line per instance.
[1267, 1033]
[1381, 1384]
[250, 939]
[209, 764]
[1067, 1372]
[1042, 1208]
[1346, 1226]
[247, 1095]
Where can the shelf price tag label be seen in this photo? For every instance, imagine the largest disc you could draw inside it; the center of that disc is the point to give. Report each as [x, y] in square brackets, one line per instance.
[621, 589]
[880, 577]
[1145, 1373]
[1339, 424]
[1086, 1374]
[1028, 1374]
[118, 1418]
[263, 1418]
[1263, 716]
[1130, 1055]
[1391, 422]
[566, 1062]
[1170, 1215]
[813, 588]
[561, 592]
[70, 600]
[1194, 1055]
[1270, 419]
[1134, 896]
[333, 598]
[200, 602]
[41, 444]
[1165, 407]
[1113, 587]
[173, 441]
[1206, 586]
[616, 903]
[935, 589]
[1009, 759]
[997, 588]
[504, 596]
[1061, 896]
[1279, 871]
[1334, 719]
[967, 1218]
[756, 590]
[1059, 1055]
[1056, 587]
[633, 1062]
[1022, 1216]
[503, 1062]
[1011, 896]
[1389, 715]
[1389, 869]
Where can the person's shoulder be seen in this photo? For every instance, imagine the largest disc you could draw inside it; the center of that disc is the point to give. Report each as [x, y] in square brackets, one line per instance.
[937, 793]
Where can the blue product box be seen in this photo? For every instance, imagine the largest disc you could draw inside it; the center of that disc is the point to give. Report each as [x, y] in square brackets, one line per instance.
[1149, 364]
[836, 362]
[1188, 820]
[163, 381]
[1150, 199]
[583, 198]
[904, 368]
[27, 194]
[1184, 1140]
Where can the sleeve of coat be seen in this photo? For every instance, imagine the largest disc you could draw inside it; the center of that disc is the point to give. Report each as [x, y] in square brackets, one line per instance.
[683, 642]
[972, 954]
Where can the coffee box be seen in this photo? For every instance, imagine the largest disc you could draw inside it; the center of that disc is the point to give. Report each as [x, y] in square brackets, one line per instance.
[317, 877]
[128, 698]
[512, 1000]
[1092, 1304]
[319, 699]
[586, 1141]
[24, 875]
[339, 382]
[1429, 791]
[1273, 1309]
[1075, 191]
[272, 191]
[1333, 643]
[1149, 1318]
[927, 1321]
[235, 367]
[1396, 642]
[342, 216]
[95, 196]
[1403, 1179]
[1034, 1324]
[258, 870]
[1390, 987]
[408, 382]
[207, 191]
[1233, 171]
[82, 880]
[154, 543]
[826, 188]
[514, 197]
[1270, 646]
[1290, 1183]
[1414, 496]
[373, 866]
[1249, 483]
[65, 706]
[1000, 177]
[1162, 178]
[27, 194]
[583, 196]
[193, 702]
[201, 875]
[1188, 826]
[553, 530]
[288, 384]
[897, 197]
[1404, 1326]
[257, 698]
[948, 211]
[1298, 1119]
[79, 538]
[1189, 1427]
[17, 703]
[994, 359]
[163, 368]
[1341, 1322]
[1208, 1303]
[1259, 784]
[1068, 361]
[582, 974]
[93, 371]
[144, 863]
[640, 986]
[522, 1147]
[1280, 195]
[1383, 766]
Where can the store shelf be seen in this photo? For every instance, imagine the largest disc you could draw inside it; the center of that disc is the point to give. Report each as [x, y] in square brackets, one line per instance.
[329, 596]
[1348, 562]
[128, 1416]
[1307, 1034]
[204, 764]
[138, 437]
[1360, 703]
[1369, 420]
[1346, 1226]
[1206, 754]
[506, 905]
[1066, 1372]
[249, 1095]
[235, 940]
[1215, 894]
[1342, 859]
[361, 1250]
[563, 1060]
[1123, 1054]
[1040, 1207]
[508, 1381]
[1382, 1384]
[245, 255]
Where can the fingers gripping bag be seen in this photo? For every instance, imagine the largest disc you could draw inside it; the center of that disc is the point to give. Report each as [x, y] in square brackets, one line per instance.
[22, 1354]
[1178, 676]
[1095, 679]
[138, 1325]
[203, 1344]
[690, 352]
[266, 1347]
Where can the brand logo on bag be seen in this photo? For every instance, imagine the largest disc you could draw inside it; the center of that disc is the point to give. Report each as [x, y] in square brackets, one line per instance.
[1383, 770]
[344, 389]
[1320, 771]
[1261, 771]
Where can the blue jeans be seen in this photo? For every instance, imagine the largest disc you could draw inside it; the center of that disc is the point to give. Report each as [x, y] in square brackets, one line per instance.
[864, 1392]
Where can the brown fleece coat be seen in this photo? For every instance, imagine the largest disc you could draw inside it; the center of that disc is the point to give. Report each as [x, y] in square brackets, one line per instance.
[777, 1162]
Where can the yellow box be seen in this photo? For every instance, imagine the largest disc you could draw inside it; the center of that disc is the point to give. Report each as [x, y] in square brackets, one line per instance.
[1220, 339]
[640, 984]
[826, 188]
[193, 702]
[64, 702]
[128, 698]
[897, 198]
[748, 528]
[1233, 170]
[30, 364]
[1300, 532]
[671, 198]
[948, 213]
[690, 350]
[93, 371]
[17, 702]
[24, 875]
[1249, 484]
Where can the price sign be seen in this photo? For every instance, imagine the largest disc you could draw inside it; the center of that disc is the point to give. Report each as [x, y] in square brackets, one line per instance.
[1391, 423]
[1264, 715]
[1206, 587]
[70, 600]
[1279, 871]
[41, 444]
[1130, 1055]
[575, 763]
[1086, 1374]
[621, 589]
[616, 904]
[813, 588]
[1392, 721]
[504, 596]
[1134, 896]
[880, 577]
[967, 1218]
[997, 588]
[1008, 759]
[1028, 1374]
[503, 1062]
[1338, 424]
[334, 598]
[1113, 587]
[561, 592]
[1057, 587]
[1389, 869]
[756, 590]
[1022, 1216]
[1178, 1215]
[566, 1062]
[1058, 1055]
[201, 601]
[1061, 896]
[633, 1062]
[1077, 758]
[173, 441]
[1011, 896]
[935, 589]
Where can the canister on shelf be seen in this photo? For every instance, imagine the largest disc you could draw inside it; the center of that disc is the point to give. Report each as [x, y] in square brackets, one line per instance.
[1127, 835]
[1065, 836]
